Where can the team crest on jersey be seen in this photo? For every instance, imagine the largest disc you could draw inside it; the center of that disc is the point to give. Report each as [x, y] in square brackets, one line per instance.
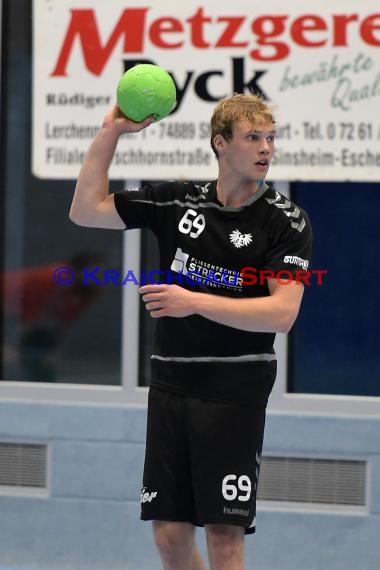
[240, 240]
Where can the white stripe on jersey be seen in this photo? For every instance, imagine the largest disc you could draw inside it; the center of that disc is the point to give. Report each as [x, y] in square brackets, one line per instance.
[241, 358]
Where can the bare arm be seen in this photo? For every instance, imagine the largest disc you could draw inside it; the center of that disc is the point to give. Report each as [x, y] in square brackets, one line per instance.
[275, 313]
[92, 204]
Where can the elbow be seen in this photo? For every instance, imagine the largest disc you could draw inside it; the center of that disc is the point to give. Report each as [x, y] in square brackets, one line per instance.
[80, 219]
[75, 218]
[285, 327]
[287, 321]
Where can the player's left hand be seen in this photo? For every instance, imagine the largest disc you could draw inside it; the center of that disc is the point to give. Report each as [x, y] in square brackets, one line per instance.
[167, 300]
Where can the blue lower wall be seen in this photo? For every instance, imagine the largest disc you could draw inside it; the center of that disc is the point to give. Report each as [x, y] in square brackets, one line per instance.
[90, 517]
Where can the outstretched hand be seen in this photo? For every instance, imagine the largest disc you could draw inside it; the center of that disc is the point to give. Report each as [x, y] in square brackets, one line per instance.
[167, 300]
[125, 125]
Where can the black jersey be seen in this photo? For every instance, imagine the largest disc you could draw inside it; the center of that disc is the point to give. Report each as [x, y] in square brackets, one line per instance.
[205, 246]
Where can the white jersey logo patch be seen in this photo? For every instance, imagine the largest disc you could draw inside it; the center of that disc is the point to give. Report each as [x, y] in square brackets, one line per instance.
[240, 240]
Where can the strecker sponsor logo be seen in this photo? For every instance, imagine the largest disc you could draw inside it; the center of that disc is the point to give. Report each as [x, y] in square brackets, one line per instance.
[201, 271]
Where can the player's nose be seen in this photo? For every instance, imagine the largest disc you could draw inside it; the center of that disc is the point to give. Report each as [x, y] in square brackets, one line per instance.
[264, 147]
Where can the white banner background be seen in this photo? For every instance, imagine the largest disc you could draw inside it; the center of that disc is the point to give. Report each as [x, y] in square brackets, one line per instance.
[317, 62]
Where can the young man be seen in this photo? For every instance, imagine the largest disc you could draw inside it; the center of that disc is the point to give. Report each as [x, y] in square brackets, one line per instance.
[221, 247]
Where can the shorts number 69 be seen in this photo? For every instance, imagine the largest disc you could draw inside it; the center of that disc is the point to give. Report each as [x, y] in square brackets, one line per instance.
[231, 485]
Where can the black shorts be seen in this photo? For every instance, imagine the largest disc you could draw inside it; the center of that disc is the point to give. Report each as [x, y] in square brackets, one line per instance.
[202, 461]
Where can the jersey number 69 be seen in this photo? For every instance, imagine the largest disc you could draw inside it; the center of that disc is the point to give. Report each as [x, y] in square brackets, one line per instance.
[192, 223]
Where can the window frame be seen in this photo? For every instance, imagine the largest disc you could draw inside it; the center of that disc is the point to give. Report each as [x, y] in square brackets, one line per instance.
[281, 401]
[129, 393]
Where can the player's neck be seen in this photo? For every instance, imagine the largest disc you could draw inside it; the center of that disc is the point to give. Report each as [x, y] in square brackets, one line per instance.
[235, 194]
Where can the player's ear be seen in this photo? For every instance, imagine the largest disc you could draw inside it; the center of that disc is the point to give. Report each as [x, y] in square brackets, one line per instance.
[219, 143]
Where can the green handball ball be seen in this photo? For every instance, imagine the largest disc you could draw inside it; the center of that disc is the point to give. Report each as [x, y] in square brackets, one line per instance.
[145, 90]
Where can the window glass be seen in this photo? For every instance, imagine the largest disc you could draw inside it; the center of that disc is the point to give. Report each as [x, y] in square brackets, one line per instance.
[335, 342]
[332, 348]
[50, 332]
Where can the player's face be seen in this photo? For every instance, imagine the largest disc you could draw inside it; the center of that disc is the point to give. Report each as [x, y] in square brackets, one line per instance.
[250, 151]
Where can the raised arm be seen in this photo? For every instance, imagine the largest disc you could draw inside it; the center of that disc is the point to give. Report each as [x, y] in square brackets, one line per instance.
[92, 205]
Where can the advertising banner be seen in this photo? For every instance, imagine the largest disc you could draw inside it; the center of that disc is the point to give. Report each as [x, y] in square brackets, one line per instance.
[317, 63]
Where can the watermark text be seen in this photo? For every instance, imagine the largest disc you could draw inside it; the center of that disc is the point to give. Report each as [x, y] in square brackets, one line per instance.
[248, 276]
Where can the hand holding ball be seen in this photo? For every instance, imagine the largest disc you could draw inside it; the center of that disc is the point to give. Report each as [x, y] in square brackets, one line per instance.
[146, 90]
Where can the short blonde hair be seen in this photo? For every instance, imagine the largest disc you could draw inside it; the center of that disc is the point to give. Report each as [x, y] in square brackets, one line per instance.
[239, 107]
